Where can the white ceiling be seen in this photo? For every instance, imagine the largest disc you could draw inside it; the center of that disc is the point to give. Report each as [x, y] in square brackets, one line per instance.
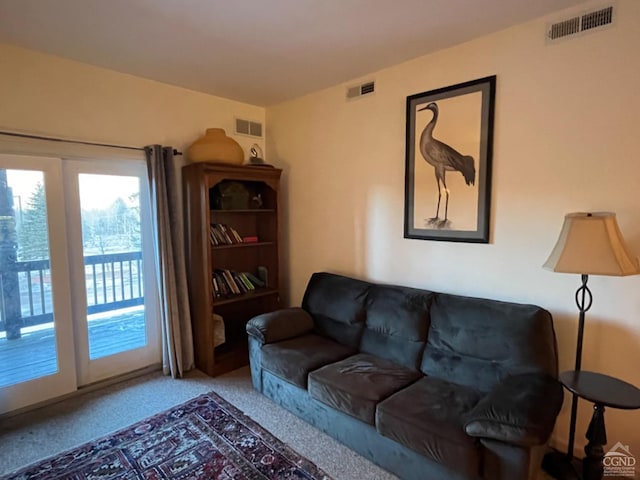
[256, 51]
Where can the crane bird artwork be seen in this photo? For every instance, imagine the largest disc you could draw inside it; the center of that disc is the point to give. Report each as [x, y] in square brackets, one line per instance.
[443, 158]
[449, 131]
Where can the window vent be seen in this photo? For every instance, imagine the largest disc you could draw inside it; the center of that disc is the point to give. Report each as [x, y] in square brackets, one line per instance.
[580, 23]
[248, 127]
[361, 90]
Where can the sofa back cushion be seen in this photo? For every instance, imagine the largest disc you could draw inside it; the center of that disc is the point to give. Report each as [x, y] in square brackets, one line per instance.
[396, 324]
[477, 342]
[337, 305]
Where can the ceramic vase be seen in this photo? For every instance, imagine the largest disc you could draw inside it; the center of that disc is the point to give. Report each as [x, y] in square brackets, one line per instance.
[215, 146]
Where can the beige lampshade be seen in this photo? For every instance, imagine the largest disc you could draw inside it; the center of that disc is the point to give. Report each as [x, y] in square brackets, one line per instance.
[591, 243]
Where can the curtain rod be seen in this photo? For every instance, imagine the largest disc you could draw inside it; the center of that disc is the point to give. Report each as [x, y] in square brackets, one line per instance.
[78, 142]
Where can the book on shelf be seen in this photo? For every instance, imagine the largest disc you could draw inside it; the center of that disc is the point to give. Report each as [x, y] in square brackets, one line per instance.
[243, 278]
[254, 280]
[228, 283]
[216, 288]
[213, 236]
[222, 290]
[239, 283]
[222, 234]
[231, 282]
[217, 237]
[236, 236]
[250, 239]
[226, 232]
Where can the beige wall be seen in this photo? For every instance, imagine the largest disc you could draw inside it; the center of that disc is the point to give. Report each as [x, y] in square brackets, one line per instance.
[566, 139]
[57, 97]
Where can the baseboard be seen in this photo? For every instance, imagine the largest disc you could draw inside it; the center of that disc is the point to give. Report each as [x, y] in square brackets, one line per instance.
[84, 389]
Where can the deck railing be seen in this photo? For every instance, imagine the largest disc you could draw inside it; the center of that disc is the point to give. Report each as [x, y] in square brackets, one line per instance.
[113, 281]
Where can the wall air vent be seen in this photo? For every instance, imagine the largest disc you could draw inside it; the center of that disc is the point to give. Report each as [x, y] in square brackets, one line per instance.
[580, 23]
[562, 29]
[597, 19]
[361, 90]
[248, 127]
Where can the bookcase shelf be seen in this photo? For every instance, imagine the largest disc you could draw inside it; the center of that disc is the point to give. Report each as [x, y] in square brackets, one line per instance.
[243, 297]
[220, 211]
[243, 245]
[205, 186]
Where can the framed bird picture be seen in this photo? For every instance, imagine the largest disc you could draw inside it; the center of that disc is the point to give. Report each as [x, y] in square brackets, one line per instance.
[448, 162]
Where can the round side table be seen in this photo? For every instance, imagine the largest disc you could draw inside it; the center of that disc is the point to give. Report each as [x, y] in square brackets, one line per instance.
[603, 391]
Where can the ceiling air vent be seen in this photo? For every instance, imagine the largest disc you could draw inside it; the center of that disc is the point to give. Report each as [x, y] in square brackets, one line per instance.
[361, 90]
[248, 127]
[580, 23]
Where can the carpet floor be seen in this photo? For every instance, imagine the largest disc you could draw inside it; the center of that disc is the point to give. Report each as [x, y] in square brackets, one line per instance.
[32, 436]
[204, 438]
[35, 435]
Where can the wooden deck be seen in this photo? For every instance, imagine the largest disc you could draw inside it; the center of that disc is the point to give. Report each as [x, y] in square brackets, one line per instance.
[34, 354]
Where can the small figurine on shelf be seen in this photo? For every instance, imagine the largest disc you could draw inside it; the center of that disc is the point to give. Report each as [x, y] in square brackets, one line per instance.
[256, 157]
[256, 201]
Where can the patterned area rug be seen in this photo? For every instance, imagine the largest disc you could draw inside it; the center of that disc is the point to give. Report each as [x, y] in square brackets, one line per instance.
[205, 438]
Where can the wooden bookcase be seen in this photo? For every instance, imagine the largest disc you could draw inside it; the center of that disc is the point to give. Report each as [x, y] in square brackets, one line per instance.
[203, 206]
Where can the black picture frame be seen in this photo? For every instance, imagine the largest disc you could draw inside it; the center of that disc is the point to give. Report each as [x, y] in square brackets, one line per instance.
[449, 151]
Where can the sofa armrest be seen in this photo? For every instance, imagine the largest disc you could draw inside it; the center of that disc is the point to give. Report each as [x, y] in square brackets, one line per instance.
[521, 410]
[280, 325]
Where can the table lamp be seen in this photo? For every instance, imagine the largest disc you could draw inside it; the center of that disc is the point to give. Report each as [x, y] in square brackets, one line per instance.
[589, 244]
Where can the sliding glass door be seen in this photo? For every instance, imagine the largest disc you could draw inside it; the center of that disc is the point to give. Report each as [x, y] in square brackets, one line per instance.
[116, 306]
[36, 329]
[78, 301]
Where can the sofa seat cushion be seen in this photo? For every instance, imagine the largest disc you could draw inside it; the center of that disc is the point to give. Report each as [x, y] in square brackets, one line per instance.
[356, 384]
[293, 359]
[428, 417]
